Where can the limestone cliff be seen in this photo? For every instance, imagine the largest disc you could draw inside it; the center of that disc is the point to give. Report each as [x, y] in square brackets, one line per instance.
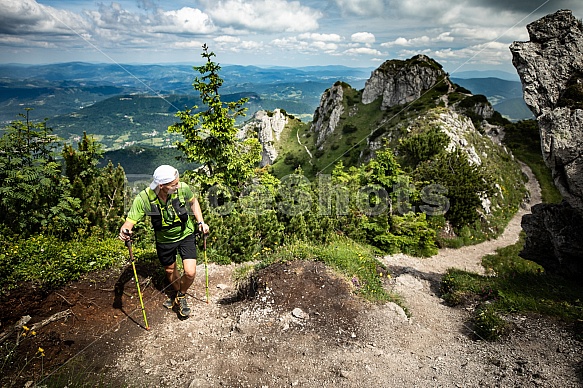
[268, 127]
[399, 83]
[328, 113]
[550, 67]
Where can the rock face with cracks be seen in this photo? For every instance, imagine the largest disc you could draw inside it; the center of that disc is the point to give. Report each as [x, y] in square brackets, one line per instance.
[399, 84]
[269, 126]
[550, 66]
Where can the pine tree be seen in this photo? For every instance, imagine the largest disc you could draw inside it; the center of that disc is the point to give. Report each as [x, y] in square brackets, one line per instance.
[34, 196]
[100, 190]
[210, 136]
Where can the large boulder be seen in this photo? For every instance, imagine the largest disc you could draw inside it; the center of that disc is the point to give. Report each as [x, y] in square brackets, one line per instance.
[550, 67]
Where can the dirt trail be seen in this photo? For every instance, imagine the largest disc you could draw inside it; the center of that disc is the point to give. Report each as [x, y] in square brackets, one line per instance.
[305, 328]
[469, 258]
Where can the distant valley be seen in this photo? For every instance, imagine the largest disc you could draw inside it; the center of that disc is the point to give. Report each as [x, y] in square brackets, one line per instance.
[132, 105]
[504, 95]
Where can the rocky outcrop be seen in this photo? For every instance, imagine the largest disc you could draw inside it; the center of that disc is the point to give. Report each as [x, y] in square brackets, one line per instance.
[396, 82]
[550, 67]
[400, 82]
[327, 115]
[462, 135]
[554, 239]
[268, 126]
[459, 129]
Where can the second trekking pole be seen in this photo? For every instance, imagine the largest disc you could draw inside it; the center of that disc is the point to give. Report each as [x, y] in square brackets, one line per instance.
[206, 270]
[128, 243]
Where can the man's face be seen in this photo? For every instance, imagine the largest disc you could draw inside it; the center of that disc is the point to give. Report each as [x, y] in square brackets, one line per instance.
[171, 187]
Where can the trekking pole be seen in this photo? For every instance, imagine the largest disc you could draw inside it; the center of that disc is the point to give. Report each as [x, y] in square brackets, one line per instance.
[206, 271]
[129, 245]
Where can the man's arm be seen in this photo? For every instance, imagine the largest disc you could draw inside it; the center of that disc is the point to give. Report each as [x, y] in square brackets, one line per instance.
[136, 213]
[197, 212]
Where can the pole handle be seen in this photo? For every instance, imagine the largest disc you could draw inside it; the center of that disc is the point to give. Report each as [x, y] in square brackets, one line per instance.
[128, 233]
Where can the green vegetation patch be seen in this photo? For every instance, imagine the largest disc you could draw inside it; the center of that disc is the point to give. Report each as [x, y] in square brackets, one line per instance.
[514, 286]
[48, 262]
[349, 139]
[294, 140]
[523, 138]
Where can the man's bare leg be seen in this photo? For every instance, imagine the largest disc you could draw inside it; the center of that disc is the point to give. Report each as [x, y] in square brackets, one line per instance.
[188, 276]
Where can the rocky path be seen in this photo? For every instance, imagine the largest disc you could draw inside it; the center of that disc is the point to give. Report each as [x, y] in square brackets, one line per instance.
[266, 342]
[469, 258]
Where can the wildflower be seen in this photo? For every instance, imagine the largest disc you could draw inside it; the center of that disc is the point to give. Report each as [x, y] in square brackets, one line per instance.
[41, 351]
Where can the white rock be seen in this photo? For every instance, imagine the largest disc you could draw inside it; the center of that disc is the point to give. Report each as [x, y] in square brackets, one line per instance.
[299, 313]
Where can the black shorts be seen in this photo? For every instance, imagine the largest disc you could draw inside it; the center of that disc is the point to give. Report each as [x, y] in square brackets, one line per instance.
[185, 247]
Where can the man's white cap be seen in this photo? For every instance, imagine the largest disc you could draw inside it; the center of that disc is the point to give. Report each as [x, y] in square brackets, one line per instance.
[164, 174]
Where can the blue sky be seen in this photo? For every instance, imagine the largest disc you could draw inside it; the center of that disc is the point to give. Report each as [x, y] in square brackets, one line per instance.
[461, 35]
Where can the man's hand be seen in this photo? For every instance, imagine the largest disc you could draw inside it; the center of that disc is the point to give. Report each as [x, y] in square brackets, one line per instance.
[125, 234]
[203, 228]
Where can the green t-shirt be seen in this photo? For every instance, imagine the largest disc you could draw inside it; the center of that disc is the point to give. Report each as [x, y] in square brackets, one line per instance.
[141, 207]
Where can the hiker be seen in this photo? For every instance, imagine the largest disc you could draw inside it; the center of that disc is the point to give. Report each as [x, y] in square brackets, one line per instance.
[170, 203]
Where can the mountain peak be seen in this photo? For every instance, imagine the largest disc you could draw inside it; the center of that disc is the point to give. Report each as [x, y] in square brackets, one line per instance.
[401, 82]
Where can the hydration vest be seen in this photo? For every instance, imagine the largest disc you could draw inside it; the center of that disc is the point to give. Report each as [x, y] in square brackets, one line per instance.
[176, 208]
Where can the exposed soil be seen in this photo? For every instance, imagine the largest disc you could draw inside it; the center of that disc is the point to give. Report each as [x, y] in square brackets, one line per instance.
[300, 325]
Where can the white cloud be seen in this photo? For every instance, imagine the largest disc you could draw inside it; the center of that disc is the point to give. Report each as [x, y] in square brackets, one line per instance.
[363, 37]
[400, 41]
[285, 42]
[265, 15]
[251, 45]
[491, 53]
[184, 20]
[321, 37]
[188, 44]
[114, 17]
[444, 37]
[28, 17]
[227, 39]
[19, 42]
[236, 44]
[463, 31]
[323, 46]
[419, 41]
[362, 51]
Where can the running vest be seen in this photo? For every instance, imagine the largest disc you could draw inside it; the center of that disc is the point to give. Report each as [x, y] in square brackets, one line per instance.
[177, 211]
